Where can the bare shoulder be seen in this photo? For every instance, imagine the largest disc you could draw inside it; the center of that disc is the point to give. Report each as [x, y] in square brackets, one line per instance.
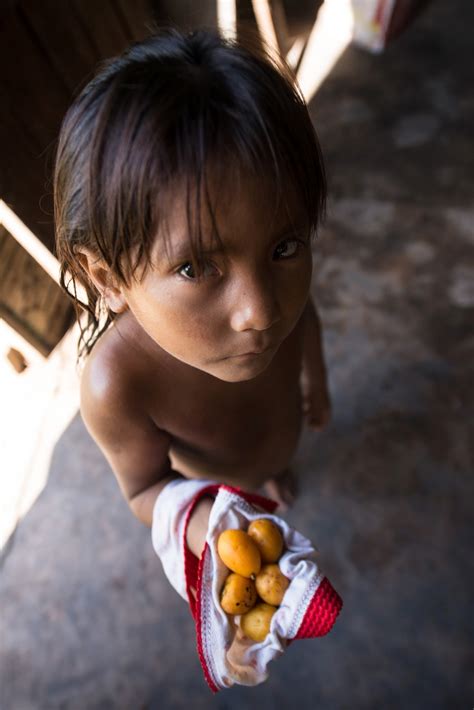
[107, 376]
[115, 414]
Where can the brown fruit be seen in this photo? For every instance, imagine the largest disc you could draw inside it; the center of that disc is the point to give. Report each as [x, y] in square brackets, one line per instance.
[268, 539]
[271, 584]
[256, 623]
[238, 594]
[239, 553]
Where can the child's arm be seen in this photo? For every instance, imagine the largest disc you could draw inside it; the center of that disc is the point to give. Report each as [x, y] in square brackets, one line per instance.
[316, 400]
[136, 449]
[142, 506]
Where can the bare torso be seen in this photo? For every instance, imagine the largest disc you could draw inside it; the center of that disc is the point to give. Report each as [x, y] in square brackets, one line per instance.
[240, 433]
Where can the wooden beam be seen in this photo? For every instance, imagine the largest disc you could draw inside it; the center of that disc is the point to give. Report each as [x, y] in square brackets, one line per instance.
[332, 32]
[227, 18]
[33, 246]
[29, 241]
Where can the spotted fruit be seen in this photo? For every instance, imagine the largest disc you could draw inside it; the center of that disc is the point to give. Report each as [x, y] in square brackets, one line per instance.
[271, 584]
[238, 594]
[239, 553]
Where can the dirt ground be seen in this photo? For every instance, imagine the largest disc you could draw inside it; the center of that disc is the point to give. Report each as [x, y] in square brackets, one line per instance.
[88, 619]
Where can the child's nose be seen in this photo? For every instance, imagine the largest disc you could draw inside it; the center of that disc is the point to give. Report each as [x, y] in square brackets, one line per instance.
[254, 306]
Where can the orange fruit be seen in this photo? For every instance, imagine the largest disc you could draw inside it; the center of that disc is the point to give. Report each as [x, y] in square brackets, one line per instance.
[238, 594]
[271, 584]
[256, 623]
[268, 539]
[239, 553]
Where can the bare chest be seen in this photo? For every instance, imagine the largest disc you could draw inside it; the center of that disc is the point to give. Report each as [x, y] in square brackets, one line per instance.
[234, 431]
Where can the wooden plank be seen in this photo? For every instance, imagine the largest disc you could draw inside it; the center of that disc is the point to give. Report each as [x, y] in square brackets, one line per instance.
[47, 51]
[25, 237]
[135, 17]
[188, 14]
[266, 25]
[28, 80]
[30, 301]
[34, 100]
[62, 40]
[23, 179]
[104, 30]
[4, 241]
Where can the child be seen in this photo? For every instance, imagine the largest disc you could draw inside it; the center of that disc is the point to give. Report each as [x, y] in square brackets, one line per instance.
[188, 186]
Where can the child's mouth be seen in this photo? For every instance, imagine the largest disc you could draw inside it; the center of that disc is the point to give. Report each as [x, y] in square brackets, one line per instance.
[255, 353]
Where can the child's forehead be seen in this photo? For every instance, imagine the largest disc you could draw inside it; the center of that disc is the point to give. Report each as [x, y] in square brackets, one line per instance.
[226, 209]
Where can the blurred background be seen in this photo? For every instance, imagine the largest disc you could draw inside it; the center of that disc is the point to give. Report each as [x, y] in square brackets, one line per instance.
[87, 617]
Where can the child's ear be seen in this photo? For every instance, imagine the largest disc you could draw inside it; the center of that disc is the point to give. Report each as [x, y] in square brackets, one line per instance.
[102, 278]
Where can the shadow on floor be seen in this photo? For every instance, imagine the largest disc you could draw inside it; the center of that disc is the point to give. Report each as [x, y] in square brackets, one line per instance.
[88, 619]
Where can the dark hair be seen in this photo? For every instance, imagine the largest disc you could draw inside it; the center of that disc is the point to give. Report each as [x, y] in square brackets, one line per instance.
[164, 111]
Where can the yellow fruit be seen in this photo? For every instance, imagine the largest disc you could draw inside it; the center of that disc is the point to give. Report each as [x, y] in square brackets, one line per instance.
[268, 539]
[256, 623]
[271, 584]
[238, 594]
[238, 551]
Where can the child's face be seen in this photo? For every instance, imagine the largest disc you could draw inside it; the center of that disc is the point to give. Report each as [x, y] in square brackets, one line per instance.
[248, 299]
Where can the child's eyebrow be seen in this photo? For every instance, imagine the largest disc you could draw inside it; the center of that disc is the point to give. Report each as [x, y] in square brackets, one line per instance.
[181, 250]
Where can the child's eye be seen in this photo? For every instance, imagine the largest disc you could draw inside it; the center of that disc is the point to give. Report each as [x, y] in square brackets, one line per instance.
[288, 248]
[187, 271]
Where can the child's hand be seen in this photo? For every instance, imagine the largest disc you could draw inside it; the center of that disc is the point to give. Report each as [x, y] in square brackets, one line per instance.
[316, 401]
[282, 488]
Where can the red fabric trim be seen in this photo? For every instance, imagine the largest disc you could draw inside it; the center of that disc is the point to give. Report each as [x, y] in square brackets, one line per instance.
[198, 619]
[379, 12]
[253, 498]
[322, 612]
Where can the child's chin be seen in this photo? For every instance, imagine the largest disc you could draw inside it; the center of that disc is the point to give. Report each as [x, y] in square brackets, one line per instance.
[240, 373]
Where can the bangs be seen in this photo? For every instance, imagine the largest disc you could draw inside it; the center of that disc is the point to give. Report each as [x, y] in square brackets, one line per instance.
[223, 113]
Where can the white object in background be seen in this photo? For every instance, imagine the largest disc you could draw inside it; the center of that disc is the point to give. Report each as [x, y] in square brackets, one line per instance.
[371, 22]
[227, 18]
[36, 407]
[331, 34]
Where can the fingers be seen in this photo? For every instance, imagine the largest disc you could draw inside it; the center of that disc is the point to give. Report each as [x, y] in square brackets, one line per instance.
[273, 490]
[316, 407]
[319, 420]
[282, 489]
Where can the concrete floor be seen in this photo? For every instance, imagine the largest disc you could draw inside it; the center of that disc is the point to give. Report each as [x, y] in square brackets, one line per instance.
[88, 619]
